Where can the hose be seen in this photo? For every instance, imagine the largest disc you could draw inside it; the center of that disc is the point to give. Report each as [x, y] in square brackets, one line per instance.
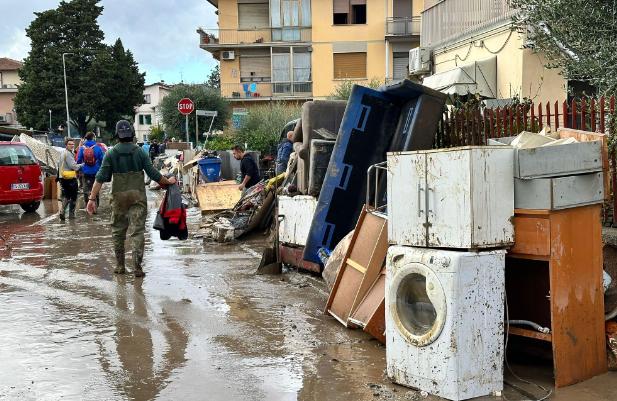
[536, 326]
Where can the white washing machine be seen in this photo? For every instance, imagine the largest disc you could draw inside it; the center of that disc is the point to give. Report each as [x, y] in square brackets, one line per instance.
[444, 320]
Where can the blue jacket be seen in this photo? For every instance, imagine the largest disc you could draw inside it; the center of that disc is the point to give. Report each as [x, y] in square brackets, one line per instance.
[282, 156]
[98, 155]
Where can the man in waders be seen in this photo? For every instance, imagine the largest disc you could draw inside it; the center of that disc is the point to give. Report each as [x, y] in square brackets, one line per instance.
[126, 163]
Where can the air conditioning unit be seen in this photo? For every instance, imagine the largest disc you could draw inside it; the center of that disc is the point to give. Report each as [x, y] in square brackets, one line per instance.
[2, 119]
[228, 55]
[419, 61]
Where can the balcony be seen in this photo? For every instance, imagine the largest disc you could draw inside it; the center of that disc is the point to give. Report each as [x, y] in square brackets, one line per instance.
[215, 39]
[403, 27]
[255, 91]
[8, 88]
[451, 20]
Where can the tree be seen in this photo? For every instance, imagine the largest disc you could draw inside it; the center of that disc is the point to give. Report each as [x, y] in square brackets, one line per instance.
[577, 36]
[343, 90]
[261, 129]
[214, 79]
[204, 98]
[103, 82]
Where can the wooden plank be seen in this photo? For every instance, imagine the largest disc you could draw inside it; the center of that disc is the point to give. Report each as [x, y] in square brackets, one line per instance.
[375, 295]
[531, 235]
[376, 326]
[356, 265]
[541, 212]
[365, 257]
[585, 136]
[518, 331]
[577, 312]
[217, 196]
[376, 262]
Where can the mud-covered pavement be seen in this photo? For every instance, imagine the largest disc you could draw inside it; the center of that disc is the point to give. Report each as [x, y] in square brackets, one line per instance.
[200, 326]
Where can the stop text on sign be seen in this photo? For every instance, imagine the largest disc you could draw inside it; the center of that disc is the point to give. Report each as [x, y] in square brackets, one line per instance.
[186, 106]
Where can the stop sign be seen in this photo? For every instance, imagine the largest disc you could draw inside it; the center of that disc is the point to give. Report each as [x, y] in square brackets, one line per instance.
[186, 106]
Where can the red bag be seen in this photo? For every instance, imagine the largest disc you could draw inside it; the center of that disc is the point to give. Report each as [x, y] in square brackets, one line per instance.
[89, 158]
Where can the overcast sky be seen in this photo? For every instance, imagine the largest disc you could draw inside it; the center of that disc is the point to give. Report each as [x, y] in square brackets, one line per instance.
[160, 33]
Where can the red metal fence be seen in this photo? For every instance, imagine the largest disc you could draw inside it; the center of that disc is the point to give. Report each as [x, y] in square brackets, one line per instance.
[462, 127]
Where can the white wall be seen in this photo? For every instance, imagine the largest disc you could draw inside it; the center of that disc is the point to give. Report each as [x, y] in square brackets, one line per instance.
[157, 93]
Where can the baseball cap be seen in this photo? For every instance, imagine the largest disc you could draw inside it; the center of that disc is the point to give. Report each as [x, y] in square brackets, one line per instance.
[124, 129]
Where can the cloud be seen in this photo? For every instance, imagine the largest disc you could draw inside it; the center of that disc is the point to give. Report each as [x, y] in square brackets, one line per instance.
[160, 33]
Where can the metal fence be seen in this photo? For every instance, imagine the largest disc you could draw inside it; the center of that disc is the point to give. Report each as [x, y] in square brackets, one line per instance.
[256, 90]
[214, 37]
[450, 19]
[474, 127]
[403, 26]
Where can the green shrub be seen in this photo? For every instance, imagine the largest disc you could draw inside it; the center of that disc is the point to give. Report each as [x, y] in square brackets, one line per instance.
[343, 90]
[262, 126]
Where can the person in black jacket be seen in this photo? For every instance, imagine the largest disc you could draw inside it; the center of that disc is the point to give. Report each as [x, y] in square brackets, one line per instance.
[248, 168]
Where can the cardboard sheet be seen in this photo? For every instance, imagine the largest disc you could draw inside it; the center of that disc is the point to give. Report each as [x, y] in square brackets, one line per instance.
[217, 196]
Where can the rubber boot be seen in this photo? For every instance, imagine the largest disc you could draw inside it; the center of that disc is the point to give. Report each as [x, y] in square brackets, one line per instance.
[137, 259]
[62, 214]
[120, 269]
[72, 205]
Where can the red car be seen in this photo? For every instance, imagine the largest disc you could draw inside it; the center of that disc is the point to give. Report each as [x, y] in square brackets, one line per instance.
[20, 177]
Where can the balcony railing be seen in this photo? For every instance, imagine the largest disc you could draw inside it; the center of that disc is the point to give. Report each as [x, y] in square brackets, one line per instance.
[266, 90]
[450, 20]
[221, 37]
[403, 26]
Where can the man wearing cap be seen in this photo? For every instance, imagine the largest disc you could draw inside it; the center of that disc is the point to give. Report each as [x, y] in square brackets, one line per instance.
[126, 163]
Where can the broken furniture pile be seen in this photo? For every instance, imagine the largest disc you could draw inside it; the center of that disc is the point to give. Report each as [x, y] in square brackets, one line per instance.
[425, 259]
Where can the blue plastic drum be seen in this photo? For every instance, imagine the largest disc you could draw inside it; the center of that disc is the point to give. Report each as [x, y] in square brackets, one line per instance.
[211, 168]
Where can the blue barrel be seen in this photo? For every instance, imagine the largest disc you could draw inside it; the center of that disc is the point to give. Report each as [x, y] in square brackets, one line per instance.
[211, 168]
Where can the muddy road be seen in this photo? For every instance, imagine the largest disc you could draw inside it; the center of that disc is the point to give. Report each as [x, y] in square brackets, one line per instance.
[200, 326]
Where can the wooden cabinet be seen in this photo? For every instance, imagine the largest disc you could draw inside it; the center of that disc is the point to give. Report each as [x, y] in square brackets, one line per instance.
[554, 278]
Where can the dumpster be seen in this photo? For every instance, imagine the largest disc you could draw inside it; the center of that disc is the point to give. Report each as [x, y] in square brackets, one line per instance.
[210, 168]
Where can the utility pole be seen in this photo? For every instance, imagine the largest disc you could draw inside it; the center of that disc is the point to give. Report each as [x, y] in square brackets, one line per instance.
[49, 120]
[66, 95]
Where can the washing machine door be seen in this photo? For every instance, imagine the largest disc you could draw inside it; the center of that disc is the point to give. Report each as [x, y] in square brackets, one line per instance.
[417, 304]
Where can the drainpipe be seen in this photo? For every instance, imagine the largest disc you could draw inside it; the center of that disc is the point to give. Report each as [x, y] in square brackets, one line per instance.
[387, 42]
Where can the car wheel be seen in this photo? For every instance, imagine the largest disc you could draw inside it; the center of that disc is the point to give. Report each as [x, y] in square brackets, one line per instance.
[30, 207]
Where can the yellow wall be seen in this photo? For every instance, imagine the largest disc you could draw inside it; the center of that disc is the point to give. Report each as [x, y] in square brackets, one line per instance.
[228, 14]
[520, 72]
[325, 33]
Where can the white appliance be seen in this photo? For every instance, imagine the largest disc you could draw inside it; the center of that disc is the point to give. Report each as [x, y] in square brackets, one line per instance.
[419, 61]
[444, 320]
[228, 55]
[295, 216]
[451, 198]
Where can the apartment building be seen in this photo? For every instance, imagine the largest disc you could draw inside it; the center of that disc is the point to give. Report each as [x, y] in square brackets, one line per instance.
[148, 115]
[470, 46]
[9, 81]
[301, 49]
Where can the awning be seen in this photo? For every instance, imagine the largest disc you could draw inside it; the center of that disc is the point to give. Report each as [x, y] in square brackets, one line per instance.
[478, 77]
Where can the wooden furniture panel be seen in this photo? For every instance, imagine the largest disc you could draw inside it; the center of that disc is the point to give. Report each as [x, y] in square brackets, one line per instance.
[579, 350]
[574, 264]
[361, 266]
[532, 235]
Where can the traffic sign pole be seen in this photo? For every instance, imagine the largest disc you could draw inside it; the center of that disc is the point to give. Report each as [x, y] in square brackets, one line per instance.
[187, 128]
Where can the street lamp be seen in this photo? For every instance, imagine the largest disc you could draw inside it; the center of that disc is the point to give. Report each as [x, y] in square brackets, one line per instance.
[66, 95]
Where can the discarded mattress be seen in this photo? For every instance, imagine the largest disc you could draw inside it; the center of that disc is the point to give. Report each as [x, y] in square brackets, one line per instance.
[399, 117]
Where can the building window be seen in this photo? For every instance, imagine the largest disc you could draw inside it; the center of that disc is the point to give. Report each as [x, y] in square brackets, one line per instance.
[349, 12]
[145, 119]
[255, 66]
[253, 14]
[147, 99]
[349, 65]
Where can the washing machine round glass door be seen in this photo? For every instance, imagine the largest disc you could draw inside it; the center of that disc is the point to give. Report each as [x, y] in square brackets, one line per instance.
[418, 304]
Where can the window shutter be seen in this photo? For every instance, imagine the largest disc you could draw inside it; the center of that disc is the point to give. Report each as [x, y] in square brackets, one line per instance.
[341, 7]
[253, 16]
[254, 67]
[350, 65]
[357, 2]
[399, 66]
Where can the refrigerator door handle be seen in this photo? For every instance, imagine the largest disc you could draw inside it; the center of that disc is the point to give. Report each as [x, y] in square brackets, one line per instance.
[420, 190]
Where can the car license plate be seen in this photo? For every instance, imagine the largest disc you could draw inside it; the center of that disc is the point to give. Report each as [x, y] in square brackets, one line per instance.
[21, 185]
